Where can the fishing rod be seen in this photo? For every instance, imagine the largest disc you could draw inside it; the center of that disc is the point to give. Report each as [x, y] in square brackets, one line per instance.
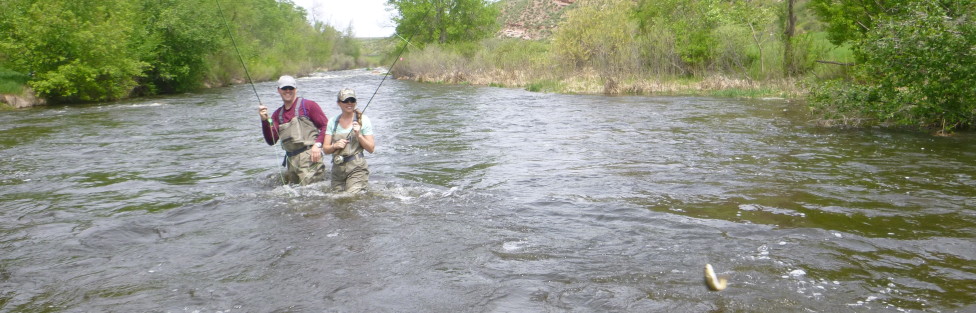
[337, 153]
[248, 74]
[239, 57]
[389, 71]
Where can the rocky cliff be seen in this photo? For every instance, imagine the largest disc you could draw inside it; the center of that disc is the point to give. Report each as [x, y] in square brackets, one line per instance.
[531, 19]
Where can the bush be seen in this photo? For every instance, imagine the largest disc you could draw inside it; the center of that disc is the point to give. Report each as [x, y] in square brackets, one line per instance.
[918, 69]
[98, 50]
[598, 34]
[515, 54]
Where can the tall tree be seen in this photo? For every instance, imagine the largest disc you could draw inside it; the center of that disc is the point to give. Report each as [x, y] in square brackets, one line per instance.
[445, 21]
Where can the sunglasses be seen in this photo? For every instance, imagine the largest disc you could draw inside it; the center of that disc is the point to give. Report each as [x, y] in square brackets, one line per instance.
[352, 100]
[288, 88]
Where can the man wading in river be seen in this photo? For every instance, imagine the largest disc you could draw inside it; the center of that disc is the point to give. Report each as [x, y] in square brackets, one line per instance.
[300, 125]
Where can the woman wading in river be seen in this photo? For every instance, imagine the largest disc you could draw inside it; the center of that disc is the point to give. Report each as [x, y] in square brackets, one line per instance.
[349, 134]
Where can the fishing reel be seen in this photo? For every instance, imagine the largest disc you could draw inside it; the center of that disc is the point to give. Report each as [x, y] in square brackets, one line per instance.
[337, 159]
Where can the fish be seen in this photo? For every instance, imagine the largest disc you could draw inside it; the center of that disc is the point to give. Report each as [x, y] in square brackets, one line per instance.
[713, 281]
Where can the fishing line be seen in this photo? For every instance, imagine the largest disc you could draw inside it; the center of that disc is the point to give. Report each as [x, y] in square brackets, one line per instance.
[239, 57]
[249, 80]
[389, 71]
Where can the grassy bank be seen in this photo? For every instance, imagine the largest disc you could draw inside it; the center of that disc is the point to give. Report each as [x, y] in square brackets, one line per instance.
[12, 82]
[532, 66]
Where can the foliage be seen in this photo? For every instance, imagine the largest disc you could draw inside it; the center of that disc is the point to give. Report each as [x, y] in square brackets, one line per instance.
[687, 26]
[444, 21]
[514, 54]
[812, 47]
[546, 85]
[851, 19]
[11, 82]
[179, 37]
[505, 61]
[693, 38]
[918, 69]
[596, 34]
[78, 49]
[97, 50]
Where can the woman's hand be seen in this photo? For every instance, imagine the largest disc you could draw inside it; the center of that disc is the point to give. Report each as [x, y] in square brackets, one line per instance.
[356, 127]
[339, 145]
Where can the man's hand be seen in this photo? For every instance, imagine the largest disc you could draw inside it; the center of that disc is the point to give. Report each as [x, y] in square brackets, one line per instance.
[316, 154]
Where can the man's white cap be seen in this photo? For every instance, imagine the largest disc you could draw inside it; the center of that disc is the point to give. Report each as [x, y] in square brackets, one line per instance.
[287, 81]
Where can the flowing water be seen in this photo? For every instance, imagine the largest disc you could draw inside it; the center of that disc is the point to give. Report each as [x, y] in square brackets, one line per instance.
[482, 200]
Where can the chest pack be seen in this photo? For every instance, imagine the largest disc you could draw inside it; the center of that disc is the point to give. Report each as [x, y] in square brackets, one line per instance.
[298, 133]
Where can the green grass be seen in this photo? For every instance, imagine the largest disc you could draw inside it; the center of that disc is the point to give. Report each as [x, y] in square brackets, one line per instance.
[751, 93]
[544, 86]
[12, 82]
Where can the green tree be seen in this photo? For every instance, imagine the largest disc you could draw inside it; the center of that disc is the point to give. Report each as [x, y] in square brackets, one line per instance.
[97, 50]
[758, 17]
[77, 50]
[789, 32]
[179, 35]
[687, 25]
[852, 19]
[445, 21]
[598, 34]
[918, 68]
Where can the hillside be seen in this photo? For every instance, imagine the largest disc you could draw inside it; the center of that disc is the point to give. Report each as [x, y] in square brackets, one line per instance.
[531, 19]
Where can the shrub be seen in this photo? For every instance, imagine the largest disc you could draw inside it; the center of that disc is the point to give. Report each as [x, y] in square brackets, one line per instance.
[918, 69]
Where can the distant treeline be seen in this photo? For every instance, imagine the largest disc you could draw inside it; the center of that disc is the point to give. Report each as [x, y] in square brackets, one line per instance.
[894, 62]
[98, 50]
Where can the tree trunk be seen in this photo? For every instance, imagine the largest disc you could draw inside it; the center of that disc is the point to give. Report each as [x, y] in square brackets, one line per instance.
[441, 24]
[788, 67]
[759, 42]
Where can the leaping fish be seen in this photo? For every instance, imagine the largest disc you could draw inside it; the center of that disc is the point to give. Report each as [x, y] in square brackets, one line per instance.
[713, 281]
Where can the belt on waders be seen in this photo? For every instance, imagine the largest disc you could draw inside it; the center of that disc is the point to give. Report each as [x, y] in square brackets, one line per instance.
[352, 157]
[288, 154]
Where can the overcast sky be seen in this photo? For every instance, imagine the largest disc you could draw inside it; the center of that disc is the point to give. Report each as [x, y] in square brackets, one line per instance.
[369, 17]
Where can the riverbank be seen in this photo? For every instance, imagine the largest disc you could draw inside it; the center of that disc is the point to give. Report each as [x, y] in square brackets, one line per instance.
[585, 82]
[20, 101]
[591, 82]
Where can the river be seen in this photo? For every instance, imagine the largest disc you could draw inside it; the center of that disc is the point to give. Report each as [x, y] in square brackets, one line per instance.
[482, 200]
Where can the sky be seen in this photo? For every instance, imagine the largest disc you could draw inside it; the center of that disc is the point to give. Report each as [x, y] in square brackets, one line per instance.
[369, 18]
